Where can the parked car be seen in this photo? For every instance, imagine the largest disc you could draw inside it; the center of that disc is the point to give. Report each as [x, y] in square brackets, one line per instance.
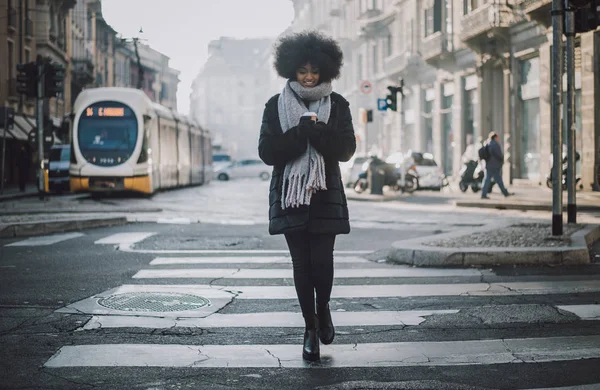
[244, 168]
[58, 168]
[430, 174]
[220, 160]
[352, 168]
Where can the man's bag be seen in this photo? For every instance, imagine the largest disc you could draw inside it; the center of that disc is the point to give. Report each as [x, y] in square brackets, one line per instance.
[484, 153]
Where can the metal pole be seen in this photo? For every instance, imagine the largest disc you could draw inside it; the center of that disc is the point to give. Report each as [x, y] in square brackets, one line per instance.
[40, 126]
[570, 114]
[21, 45]
[4, 145]
[557, 27]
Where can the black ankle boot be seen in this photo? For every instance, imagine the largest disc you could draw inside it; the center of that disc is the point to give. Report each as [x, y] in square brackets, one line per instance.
[310, 351]
[326, 329]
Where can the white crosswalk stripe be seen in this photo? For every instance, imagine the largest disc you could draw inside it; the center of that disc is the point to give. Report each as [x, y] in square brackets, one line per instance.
[252, 269]
[529, 350]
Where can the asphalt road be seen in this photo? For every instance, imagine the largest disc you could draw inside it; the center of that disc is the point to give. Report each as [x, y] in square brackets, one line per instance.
[126, 307]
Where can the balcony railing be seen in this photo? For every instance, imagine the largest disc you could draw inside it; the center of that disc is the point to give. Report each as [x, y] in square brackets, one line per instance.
[377, 24]
[538, 10]
[12, 19]
[434, 46]
[83, 70]
[529, 6]
[486, 18]
[400, 62]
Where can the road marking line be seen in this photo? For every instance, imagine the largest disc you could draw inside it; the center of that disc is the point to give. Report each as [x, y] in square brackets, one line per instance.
[46, 240]
[124, 238]
[211, 273]
[379, 291]
[585, 312]
[127, 247]
[174, 221]
[438, 353]
[244, 260]
[264, 320]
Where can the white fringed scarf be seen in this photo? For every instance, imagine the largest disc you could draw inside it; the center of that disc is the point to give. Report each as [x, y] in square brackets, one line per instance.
[305, 175]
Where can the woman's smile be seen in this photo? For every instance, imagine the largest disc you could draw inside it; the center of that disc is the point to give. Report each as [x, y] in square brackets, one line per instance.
[307, 76]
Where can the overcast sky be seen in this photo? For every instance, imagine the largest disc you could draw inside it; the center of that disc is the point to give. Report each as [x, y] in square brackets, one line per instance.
[182, 29]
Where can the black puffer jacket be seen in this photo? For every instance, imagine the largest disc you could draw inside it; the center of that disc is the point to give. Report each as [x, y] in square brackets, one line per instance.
[328, 210]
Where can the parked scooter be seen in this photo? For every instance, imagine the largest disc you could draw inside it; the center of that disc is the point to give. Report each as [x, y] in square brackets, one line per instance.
[393, 177]
[471, 175]
[565, 166]
[408, 180]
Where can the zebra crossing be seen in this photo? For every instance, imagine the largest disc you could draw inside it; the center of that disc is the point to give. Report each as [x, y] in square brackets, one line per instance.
[386, 316]
[356, 278]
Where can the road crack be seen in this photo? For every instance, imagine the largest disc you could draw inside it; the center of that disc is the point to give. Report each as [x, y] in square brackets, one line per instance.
[278, 360]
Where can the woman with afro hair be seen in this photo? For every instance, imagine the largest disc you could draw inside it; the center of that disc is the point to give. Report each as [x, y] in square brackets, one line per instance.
[306, 131]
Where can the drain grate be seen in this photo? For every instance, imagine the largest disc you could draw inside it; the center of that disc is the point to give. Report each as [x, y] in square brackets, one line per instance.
[154, 301]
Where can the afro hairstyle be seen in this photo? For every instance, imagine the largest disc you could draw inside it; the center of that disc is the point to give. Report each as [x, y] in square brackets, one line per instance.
[294, 51]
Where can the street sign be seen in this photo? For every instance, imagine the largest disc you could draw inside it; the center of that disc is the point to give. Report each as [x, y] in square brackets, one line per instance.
[382, 104]
[366, 87]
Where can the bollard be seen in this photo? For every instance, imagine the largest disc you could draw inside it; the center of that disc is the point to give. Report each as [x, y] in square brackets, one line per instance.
[376, 179]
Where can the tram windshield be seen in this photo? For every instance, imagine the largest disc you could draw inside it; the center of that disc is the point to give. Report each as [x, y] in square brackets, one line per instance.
[107, 133]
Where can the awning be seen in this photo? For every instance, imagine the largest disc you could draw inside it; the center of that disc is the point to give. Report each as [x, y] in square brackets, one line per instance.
[20, 130]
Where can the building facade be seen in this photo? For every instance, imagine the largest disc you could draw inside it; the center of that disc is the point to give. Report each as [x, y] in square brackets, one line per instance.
[229, 94]
[468, 67]
[74, 34]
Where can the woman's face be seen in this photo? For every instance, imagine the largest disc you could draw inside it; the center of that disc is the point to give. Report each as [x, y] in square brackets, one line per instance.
[307, 76]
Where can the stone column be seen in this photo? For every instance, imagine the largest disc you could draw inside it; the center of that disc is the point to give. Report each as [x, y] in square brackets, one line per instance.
[589, 129]
[438, 152]
[419, 133]
[509, 156]
[458, 121]
[545, 108]
[479, 115]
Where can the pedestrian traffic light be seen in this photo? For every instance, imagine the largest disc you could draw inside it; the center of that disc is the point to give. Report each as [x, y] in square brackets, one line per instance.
[53, 79]
[27, 79]
[391, 99]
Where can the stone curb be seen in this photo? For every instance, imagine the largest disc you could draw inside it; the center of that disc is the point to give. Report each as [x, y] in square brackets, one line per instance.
[520, 206]
[19, 195]
[413, 252]
[80, 211]
[373, 198]
[49, 227]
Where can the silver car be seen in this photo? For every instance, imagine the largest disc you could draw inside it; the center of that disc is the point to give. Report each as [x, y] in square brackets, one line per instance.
[244, 168]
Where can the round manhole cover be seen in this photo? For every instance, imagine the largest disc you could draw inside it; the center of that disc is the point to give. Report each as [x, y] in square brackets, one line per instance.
[154, 301]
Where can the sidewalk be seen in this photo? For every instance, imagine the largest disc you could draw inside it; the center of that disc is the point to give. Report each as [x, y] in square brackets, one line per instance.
[494, 244]
[13, 192]
[528, 198]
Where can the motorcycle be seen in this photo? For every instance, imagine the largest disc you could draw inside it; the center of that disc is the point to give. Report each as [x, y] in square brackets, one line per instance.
[471, 175]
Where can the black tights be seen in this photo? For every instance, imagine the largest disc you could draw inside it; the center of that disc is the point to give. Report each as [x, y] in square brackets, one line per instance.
[312, 259]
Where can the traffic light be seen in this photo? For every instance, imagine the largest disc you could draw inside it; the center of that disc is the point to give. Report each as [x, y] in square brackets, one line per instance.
[586, 16]
[53, 80]
[27, 79]
[391, 99]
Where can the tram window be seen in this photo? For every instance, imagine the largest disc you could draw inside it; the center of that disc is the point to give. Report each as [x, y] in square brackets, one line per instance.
[107, 139]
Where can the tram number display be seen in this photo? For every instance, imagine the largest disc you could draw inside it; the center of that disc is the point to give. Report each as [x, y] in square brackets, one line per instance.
[105, 112]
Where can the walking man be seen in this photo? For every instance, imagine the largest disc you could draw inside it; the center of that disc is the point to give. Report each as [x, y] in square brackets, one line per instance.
[493, 167]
